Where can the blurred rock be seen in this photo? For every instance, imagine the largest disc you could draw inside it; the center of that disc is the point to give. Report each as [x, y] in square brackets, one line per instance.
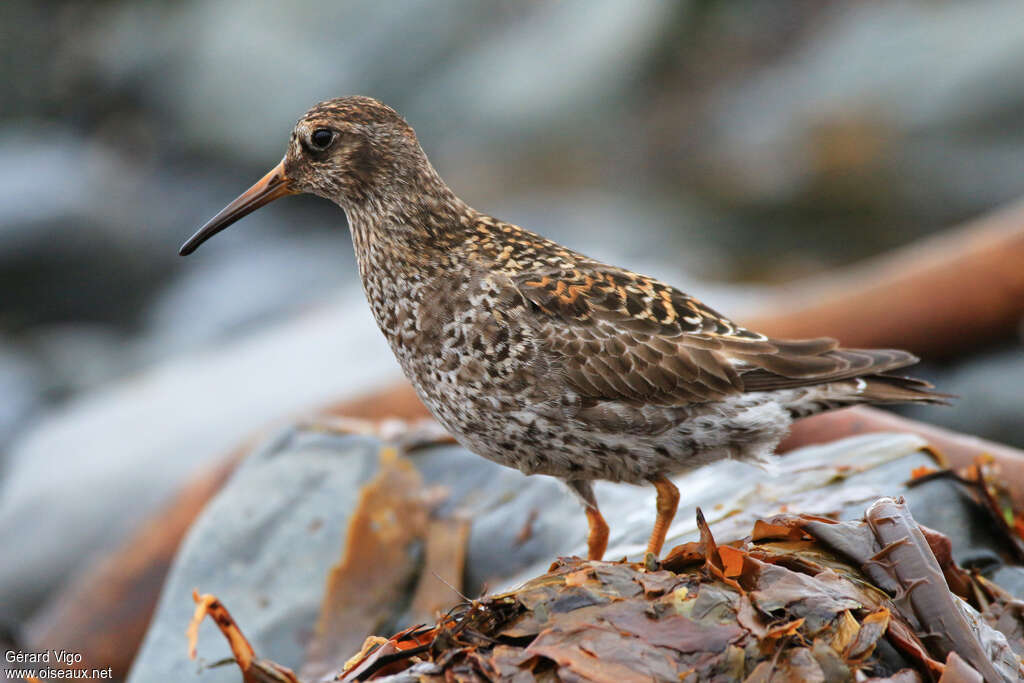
[85, 474]
[239, 290]
[989, 403]
[292, 499]
[21, 394]
[79, 357]
[208, 66]
[61, 255]
[557, 66]
[103, 610]
[647, 233]
[896, 107]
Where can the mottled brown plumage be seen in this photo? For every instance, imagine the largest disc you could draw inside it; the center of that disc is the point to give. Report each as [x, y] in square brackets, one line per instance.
[543, 359]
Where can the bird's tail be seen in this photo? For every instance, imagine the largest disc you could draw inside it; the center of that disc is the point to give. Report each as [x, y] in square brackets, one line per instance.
[876, 389]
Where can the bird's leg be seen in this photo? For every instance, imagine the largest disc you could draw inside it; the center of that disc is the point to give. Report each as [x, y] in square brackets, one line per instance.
[597, 538]
[668, 502]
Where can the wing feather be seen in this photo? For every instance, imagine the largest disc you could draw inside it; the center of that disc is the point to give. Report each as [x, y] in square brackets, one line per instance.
[616, 335]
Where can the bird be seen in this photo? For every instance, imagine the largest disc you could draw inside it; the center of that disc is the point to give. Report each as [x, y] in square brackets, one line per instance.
[539, 358]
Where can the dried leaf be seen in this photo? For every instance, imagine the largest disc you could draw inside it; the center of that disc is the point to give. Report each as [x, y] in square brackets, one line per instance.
[749, 618]
[901, 676]
[579, 578]
[391, 655]
[959, 671]
[369, 645]
[683, 556]
[659, 583]
[785, 610]
[675, 631]
[846, 632]
[779, 588]
[600, 654]
[907, 642]
[732, 560]
[254, 670]
[922, 471]
[872, 627]
[769, 531]
[210, 605]
[919, 574]
[712, 558]
[783, 630]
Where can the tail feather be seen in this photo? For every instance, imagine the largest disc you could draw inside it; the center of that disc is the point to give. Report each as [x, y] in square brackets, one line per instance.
[786, 370]
[814, 375]
[876, 389]
[886, 388]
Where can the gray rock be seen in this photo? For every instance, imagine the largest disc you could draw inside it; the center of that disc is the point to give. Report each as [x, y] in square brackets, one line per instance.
[63, 256]
[264, 546]
[21, 393]
[78, 357]
[101, 463]
[989, 398]
[235, 548]
[545, 70]
[237, 290]
[928, 104]
[209, 65]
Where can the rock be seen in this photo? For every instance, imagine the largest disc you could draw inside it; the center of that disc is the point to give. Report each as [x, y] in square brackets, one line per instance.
[21, 393]
[65, 254]
[86, 473]
[77, 357]
[258, 549]
[556, 62]
[238, 290]
[267, 540]
[833, 118]
[989, 397]
[207, 67]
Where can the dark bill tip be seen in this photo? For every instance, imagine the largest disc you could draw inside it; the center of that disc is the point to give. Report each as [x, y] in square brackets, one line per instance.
[272, 186]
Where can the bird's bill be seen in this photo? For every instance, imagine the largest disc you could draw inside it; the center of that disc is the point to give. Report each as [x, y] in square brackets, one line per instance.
[272, 186]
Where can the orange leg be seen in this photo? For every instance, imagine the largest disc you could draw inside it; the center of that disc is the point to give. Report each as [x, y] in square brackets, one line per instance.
[597, 538]
[668, 502]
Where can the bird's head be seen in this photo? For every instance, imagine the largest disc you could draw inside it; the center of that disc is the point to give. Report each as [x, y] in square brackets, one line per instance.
[354, 151]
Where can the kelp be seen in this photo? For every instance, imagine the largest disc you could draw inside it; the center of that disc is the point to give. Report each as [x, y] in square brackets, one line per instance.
[802, 598]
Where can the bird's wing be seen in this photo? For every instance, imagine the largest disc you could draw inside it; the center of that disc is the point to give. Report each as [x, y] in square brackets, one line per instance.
[616, 335]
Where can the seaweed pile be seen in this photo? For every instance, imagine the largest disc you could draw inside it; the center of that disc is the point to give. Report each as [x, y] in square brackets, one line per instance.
[801, 598]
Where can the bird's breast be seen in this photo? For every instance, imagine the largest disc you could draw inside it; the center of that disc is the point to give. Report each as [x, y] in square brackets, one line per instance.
[462, 344]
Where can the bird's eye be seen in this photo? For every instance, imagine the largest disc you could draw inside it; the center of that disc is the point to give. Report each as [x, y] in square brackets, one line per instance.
[321, 138]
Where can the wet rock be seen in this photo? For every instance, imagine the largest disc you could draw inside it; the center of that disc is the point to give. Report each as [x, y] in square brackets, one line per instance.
[267, 540]
[835, 112]
[78, 357]
[238, 290]
[989, 397]
[63, 256]
[85, 474]
[265, 544]
[209, 66]
[21, 393]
